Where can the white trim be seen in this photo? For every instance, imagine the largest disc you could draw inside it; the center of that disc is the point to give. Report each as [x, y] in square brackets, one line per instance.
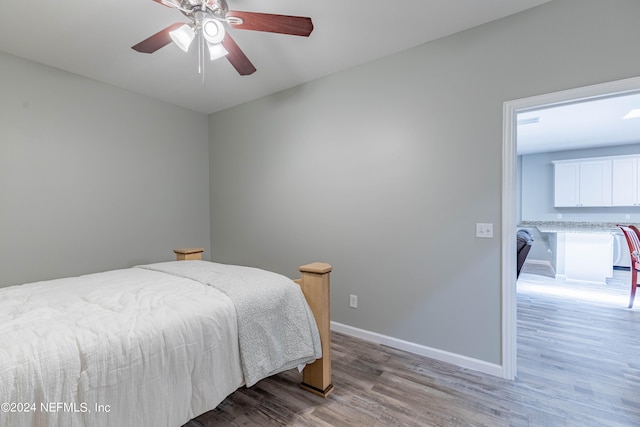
[433, 353]
[510, 109]
[509, 314]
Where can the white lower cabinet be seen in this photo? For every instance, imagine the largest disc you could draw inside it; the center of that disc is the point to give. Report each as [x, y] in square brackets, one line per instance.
[585, 257]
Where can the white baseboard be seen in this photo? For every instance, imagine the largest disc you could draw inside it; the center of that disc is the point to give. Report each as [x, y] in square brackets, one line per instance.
[433, 353]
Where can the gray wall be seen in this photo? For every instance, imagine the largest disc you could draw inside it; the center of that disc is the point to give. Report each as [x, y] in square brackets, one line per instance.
[93, 177]
[537, 188]
[384, 169]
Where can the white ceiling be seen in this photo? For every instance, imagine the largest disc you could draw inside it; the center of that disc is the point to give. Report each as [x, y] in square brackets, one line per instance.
[94, 38]
[584, 124]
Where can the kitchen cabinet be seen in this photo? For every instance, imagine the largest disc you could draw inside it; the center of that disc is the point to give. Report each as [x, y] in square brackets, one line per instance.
[625, 181]
[582, 183]
[566, 182]
[584, 257]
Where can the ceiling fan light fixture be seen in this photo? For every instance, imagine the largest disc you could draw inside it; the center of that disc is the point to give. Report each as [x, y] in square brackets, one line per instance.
[216, 51]
[207, 24]
[183, 36]
[212, 31]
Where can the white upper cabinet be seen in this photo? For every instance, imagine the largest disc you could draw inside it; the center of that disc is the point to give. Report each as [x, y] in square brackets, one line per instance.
[595, 183]
[567, 184]
[583, 183]
[625, 181]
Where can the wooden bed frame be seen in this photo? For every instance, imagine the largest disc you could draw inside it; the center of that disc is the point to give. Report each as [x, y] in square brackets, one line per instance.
[315, 285]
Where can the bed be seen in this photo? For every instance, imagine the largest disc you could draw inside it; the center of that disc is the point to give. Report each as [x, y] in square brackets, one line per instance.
[157, 344]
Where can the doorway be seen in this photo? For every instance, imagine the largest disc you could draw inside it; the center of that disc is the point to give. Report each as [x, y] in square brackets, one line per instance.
[509, 191]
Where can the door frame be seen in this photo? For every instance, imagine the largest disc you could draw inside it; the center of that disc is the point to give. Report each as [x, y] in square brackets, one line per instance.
[509, 192]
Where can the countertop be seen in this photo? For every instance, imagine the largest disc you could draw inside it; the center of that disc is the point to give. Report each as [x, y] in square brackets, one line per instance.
[571, 227]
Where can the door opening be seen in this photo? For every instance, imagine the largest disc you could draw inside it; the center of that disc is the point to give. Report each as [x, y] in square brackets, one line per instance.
[510, 191]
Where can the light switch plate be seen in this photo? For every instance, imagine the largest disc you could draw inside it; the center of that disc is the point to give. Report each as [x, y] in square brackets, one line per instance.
[484, 230]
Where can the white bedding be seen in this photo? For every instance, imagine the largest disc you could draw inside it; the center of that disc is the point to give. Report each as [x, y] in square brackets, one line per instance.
[276, 328]
[126, 347]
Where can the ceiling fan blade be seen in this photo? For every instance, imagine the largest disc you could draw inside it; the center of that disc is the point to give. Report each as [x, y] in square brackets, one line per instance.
[236, 57]
[168, 3]
[158, 40]
[283, 24]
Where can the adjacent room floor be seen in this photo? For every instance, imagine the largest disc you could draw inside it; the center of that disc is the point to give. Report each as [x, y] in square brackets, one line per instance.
[578, 348]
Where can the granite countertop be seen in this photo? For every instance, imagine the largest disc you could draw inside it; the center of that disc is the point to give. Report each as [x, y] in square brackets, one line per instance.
[571, 227]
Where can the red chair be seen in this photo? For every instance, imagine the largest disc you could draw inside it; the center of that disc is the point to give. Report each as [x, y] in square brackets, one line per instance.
[632, 235]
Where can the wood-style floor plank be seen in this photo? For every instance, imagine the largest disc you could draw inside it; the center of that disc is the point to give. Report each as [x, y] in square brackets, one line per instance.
[578, 365]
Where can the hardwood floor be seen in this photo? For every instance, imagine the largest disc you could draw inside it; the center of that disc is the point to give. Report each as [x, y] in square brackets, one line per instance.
[577, 366]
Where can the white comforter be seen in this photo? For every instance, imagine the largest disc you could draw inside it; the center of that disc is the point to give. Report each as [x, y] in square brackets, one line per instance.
[126, 347]
[276, 328]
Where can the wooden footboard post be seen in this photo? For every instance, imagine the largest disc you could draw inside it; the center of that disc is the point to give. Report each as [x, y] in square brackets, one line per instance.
[316, 377]
[186, 254]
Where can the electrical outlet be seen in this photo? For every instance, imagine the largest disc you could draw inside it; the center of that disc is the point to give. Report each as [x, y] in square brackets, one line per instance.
[353, 301]
[484, 230]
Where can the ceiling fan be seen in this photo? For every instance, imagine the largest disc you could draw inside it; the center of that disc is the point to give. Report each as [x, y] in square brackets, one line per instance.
[207, 19]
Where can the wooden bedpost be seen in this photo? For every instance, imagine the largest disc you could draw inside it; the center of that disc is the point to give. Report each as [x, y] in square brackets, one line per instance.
[314, 282]
[186, 254]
